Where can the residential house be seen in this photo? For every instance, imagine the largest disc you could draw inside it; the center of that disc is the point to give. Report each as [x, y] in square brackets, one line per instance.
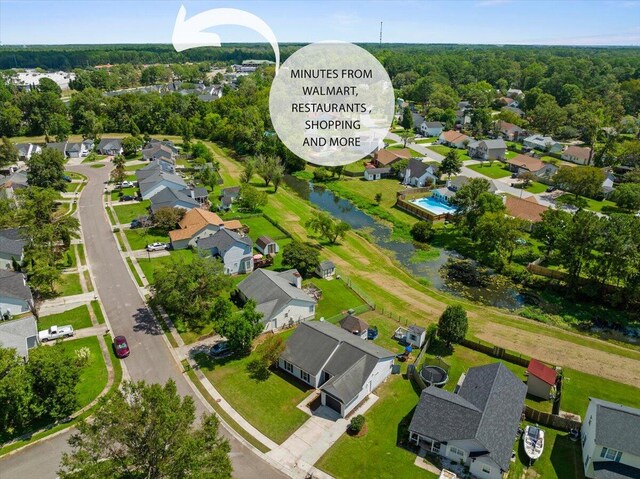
[15, 181]
[577, 154]
[608, 183]
[228, 196]
[196, 224]
[541, 380]
[372, 174]
[514, 109]
[199, 193]
[463, 117]
[159, 151]
[171, 198]
[527, 209]
[346, 368]
[80, 149]
[542, 143]
[514, 93]
[523, 163]
[159, 180]
[476, 426]
[420, 173]
[488, 149]
[155, 166]
[431, 128]
[446, 193]
[326, 269]
[110, 146]
[235, 251]
[19, 334]
[385, 157]
[507, 101]
[610, 441]
[12, 246]
[15, 294]
[278, 296]
[416, 336]
[59, 146]
[266, 245]
[166, 143]
[355, 326]
[509, 131]
[454, 139]
[418, 120]
[25, 150]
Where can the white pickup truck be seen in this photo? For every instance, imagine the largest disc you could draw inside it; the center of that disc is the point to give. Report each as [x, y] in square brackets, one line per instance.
[56, 332]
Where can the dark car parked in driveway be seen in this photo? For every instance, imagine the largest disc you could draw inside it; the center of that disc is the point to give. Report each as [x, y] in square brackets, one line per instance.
[127, 198]
[121, 347]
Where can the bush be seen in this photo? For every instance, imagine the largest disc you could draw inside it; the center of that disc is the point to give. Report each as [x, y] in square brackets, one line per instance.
[422, 231]
[356, 424]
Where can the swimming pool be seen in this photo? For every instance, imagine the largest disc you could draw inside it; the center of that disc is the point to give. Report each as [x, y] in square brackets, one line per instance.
[434, 206]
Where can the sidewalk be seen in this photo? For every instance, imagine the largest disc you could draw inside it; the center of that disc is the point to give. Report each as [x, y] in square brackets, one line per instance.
[64, 303]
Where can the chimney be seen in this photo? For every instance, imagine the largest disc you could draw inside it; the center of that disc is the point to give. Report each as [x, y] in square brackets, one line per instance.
[298, 280]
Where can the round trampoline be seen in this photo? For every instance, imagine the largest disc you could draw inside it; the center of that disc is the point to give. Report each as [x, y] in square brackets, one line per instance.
[434, 376]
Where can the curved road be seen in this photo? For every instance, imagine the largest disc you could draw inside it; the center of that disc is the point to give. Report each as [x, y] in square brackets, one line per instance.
[128, 315]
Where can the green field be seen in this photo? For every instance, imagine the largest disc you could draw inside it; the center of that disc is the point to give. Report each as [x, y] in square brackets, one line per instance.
[603, 206]
[260, 226]
[93, 378]
[127, 213]
[269, 405]
[496, 170]
[77, 317]
[139, 238]
[336, 298]
[148, 266]
[69, 285]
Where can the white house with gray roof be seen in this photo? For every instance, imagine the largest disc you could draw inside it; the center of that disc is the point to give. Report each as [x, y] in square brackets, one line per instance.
[25, 150]
[110, 146]
[159, 180]
[235, 251]
[431, 128]
[610, 437]
[19, 334]
[278, 296]
[345, 367]
[419, 173]
[171, 198]
[487, 149]
[476, 426]
[15, 295]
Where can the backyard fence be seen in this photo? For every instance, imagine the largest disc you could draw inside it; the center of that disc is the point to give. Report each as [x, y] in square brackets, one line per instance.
[277, 225]
[497, 352]
[550, 420]
[371, 304]
[363, 308]
[413, 191]
[416, 211]
[394, 316]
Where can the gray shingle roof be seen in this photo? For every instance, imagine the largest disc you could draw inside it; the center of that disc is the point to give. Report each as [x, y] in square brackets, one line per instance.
[231, 191]
[21, 334]
[199, 192]
[374, 171]
[348, 384]
[326, 265]
[169, 198]
[416, 329]
[417, 167]
[263, 241]
[617, 426]
[154, 167]
[272, 291]
[434, 124]
[150, 182]
[110, 144]
[223, 240]
[60, 146]
[488, 407]
[12, 285]
[158, 150]
[493, 144]
[354, 324]
[11, 242]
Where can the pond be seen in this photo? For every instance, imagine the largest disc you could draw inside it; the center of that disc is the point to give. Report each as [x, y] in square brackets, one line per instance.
[495, 294]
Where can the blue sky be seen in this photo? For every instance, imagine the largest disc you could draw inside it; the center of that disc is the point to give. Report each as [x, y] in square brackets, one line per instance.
[564, 22]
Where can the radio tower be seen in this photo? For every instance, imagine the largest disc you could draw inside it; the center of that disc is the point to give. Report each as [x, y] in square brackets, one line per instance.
[380, 34]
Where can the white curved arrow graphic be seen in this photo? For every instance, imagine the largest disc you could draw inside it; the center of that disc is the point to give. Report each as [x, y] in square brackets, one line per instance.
[191, 33]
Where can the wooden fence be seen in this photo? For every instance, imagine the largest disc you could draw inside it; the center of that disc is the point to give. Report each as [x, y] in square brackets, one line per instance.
[417, 211]
[562, 276]
[497, 352]
[550, 420]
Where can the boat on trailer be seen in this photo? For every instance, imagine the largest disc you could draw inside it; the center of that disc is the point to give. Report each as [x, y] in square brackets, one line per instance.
[533, 438]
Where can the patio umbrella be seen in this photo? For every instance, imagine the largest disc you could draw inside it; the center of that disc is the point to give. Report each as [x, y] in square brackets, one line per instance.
[408, 349]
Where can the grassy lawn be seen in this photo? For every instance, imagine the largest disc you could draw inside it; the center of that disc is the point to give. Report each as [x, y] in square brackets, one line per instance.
[127, 213]
[69, 284]
[93, 378]
[593, 205]
[148, 266]
[71, 187]
[355, 167]
[80, 249]
[269, 405]
[336, 298]
[98, 165]
[561, 458]
[441, 149]
[97, 310]
[376, 454]
[431, 139]
[136, 276]
[536, 188]
[117, 193]
[496, 170]
[139, 238]
[136, 167]
[260, 226]
[400, 147]
[77, 317]
[510, 154]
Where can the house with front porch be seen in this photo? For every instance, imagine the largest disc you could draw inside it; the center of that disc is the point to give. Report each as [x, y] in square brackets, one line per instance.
[610, 441]
[345, 367]
[477, 425]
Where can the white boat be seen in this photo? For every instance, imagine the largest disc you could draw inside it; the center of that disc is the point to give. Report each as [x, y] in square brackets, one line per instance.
[533, 438]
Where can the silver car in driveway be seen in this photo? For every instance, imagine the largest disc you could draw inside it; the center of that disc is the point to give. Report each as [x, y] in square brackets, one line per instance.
[157, 246]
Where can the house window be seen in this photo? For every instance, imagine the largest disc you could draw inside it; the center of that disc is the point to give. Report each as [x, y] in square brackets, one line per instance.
[305, 376]
[456, 451]
[486, 469]
[288, 366]
[586, 462]
[611, 454]
[590, 417]
[584, 439]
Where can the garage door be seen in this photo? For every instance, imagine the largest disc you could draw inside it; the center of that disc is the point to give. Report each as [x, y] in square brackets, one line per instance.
[333, 403]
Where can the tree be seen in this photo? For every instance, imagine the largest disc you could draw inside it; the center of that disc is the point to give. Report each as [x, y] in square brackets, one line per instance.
[248, 171]
[378, 198]
[267, 167]
[481, 121]
[241, 329]
[166, 218]
[473, 200]
[272, 349]
[8, 152]
[527, 178]
[48, 85]
[451, 164]
[55, 376]
[145, 431]
[301, 256]
[398, 167]
[207, 175]
[251, 198]
[46, 169]
[407, 137]
[453, 325]
[119, 174]
[576, 244]
[547, 116]
[16, 394]
[584, 181]
[356, 424]
[131, 145]
[327, 227]
[627, 196]
[422, 231]
[549, 230]
[321, 174]
[407, 119]
[496, 234]
[187, 291]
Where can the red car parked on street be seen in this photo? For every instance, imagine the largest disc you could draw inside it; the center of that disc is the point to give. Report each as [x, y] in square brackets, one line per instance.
[121, 347]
